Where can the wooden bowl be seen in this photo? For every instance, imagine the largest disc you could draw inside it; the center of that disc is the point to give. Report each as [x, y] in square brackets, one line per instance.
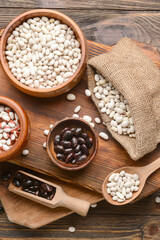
[62, 88]
[19, 145]
[57, 128]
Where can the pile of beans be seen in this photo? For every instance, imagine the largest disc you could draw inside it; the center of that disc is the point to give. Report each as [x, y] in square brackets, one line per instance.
[113, 104]
[43, 52]
[9, 128]
[122, 185]
[72, 145]
[34, 186]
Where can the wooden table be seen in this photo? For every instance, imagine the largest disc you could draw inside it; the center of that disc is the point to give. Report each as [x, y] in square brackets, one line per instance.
[105, 22]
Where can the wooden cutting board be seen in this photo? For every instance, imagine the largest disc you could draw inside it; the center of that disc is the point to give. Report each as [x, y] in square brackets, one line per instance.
[30, 214]
[42, 112]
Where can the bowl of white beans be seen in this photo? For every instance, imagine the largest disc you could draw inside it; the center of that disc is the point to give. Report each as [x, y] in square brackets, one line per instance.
[43, 52]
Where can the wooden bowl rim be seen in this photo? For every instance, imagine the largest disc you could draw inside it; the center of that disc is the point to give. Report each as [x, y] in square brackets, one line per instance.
[24, 124]
[77, 167]
[57, 13]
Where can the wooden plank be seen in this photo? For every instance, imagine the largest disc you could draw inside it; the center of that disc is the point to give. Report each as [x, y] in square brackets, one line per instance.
[104, 26]
[90, 4]
[48, 110]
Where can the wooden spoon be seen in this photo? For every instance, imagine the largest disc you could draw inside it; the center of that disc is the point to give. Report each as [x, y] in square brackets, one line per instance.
[143, 173]
[60, 199]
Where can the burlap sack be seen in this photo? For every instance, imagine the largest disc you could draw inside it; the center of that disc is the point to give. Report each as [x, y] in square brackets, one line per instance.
[138, 79]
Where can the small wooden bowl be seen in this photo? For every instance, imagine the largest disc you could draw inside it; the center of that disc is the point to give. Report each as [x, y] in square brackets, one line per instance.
[19, 145]
[57, 128]
[62, 88]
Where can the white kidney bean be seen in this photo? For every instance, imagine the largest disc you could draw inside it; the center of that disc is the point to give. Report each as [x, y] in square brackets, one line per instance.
[88, 92]
[71, 97]
[122, 185]
[112, 103]
[37, 44]
[77, 109]
[103, 135]
[25, 152]
[87, 118]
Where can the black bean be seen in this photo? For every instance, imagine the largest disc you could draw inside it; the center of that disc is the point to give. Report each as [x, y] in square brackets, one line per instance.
[16, 182]
[78, 154]
[82, 158]
[84, 149]
[27, 183]
[57, 139]
[36, 183]
[1, 210]
[77, 148]
[61, 156]
[42, 193]
[78, 132]
[67, 135]
[74, 142]
[59, 149]
[89, 142]
[5, 176]
[69, 158]
[19, 176]
[66, 144]
[68, 151]
[29, 191]
[84, 135]
[81, 140]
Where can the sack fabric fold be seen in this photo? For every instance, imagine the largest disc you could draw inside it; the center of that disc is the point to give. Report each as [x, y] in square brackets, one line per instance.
[138, 79]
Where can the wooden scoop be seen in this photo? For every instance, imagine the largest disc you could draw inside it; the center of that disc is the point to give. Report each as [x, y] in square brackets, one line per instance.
[143, 173]
[60, 198]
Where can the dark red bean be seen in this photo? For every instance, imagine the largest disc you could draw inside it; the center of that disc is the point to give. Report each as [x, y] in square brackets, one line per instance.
[67, 135]
[77, 148]
[81, 140]
[59, 149]
[73, 161]
[73, 130]
[16, 182]
[61, 156]
[51, 196]
[89, 142]
[66, 144]
[74, 142]
[82, 158]
[69, 158]
[5, 176]
[68, 151]
[46, 187]
[64, 130]
[57, 139]
[78, 154]
[84, 136]
[84, 149]
[78, 132]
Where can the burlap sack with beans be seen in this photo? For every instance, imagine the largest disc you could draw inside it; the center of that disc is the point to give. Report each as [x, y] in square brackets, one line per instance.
[138, 79]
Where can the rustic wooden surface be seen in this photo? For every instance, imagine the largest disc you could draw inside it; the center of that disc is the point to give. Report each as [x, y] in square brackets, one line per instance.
[105, 22]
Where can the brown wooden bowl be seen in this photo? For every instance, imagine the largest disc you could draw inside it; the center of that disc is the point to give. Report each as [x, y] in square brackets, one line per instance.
[62, 88]
[19, 145]
[57, 128]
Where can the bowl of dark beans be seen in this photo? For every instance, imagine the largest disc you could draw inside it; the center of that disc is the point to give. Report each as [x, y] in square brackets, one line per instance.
[72, 144]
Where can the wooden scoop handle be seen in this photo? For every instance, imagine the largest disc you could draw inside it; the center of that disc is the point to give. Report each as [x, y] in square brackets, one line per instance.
[152, 167]
[76, 205]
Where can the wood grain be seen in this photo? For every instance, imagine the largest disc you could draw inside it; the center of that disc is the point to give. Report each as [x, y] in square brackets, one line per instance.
[43, 112]
[90, 4]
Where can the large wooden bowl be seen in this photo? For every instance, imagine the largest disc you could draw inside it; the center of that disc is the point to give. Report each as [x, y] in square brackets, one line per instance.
[71, 123]
[19, 145]
[62, 88]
